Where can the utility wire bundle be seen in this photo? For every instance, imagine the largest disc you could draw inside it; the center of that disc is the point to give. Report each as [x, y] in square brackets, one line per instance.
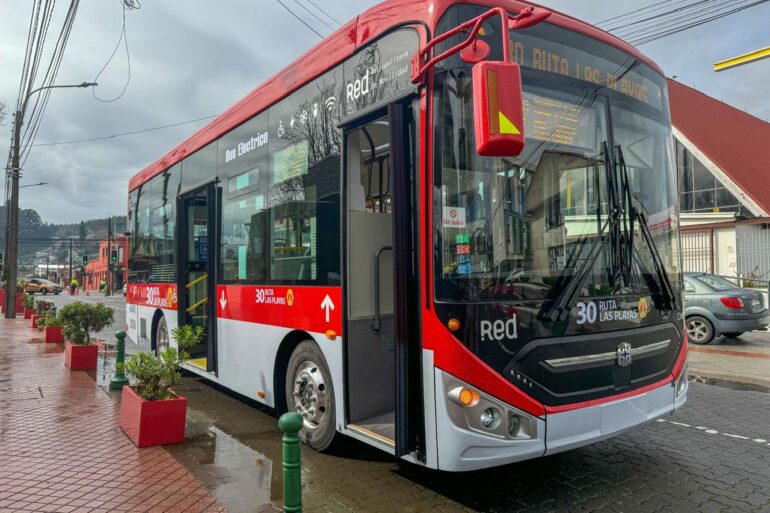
[668, 17]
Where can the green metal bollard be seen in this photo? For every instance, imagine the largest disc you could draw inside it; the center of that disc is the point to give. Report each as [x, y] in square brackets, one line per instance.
[290, 424]
[119, 379]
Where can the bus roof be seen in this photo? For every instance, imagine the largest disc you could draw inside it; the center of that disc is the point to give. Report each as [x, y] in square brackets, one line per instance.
[336, 48]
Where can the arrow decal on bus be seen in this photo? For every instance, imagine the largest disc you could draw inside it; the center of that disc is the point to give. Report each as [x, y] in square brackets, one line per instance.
[223, 300]
[327, 305]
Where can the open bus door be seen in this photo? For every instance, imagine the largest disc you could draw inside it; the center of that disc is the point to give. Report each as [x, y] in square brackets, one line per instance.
[383, 350]
[197, 240]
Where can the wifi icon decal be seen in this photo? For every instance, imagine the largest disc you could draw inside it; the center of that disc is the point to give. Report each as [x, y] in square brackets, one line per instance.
[330, 102]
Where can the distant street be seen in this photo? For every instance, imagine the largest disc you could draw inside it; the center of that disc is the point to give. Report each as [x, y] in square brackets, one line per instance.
[118, 302]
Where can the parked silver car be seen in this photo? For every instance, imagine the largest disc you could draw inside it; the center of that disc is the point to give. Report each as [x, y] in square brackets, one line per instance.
[716, 306]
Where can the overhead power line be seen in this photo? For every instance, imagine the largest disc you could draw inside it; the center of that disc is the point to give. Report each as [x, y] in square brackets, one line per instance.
[335, 20]
[123, 134]
[314, 15]
[703, 11]
[688, 26]
[662, 19]
[299, 18]
[130, 5]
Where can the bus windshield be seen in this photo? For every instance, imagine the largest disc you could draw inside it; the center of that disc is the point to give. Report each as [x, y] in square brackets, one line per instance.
[519, 228]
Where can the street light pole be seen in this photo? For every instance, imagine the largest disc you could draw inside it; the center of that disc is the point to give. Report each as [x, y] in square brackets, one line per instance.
[108, 287]
[12, 210]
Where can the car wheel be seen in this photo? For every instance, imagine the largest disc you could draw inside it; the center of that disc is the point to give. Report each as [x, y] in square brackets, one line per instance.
[699, 330]
[161, 336]
[309, 392]
[733, 335]
[44, 292]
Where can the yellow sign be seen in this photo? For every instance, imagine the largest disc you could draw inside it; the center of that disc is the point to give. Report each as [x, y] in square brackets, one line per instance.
[644, 309]
[170, 298]
[506, 126]
[289, 297]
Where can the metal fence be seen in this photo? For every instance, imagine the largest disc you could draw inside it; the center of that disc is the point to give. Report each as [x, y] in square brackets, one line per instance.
[697, 250]
[753, 250]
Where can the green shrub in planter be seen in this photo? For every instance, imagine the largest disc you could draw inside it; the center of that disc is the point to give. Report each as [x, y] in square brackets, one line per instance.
[28, 301]
[45, 307]
[21, 286]
[48, 319]
[154, 376]
[80, 320]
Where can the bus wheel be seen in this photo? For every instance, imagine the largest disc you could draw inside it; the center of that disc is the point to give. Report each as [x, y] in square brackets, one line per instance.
[309, 392]
[161, 336]
[699, 330]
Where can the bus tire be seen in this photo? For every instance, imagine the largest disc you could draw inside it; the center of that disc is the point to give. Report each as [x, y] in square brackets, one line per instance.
[699, 330]
[310, 392]
[161, 335]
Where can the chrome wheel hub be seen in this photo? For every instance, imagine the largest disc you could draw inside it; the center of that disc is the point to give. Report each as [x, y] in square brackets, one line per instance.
[697, 330]
[311, 397]
[162, 337]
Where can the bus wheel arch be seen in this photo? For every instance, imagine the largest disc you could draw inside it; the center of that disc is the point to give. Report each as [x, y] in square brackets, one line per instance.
[285, 350]
[157, 317]
[303, 382]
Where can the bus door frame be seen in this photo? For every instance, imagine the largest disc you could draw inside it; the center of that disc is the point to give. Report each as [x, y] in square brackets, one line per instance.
[409, 415]
[213, 200]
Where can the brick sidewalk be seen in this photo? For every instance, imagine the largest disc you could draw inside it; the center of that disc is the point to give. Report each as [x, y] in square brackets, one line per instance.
[60, 445]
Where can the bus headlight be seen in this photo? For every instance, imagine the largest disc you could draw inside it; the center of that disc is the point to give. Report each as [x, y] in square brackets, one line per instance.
[490, 418]
[473, 410]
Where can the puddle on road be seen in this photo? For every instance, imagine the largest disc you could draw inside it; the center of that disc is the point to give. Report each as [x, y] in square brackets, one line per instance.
[732, 385]
[238, 476]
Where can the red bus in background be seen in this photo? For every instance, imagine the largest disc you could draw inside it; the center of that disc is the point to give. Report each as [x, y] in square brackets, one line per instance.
[352, 257]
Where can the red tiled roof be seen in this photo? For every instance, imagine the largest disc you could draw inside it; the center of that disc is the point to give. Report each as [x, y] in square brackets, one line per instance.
[737, 142]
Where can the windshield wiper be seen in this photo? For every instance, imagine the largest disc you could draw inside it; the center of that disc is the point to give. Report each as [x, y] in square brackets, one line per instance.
[666, 288]
[563, 302]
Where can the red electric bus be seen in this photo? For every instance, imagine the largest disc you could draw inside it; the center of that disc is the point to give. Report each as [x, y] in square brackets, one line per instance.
[449, 230]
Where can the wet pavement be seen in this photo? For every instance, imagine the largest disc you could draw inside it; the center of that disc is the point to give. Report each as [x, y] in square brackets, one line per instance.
[60, 445]
[713, 455]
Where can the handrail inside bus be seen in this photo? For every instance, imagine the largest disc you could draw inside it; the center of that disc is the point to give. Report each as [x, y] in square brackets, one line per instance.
[196, 305]
[197, 280]
[375, 324]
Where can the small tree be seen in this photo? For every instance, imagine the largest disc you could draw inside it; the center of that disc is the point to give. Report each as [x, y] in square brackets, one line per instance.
[80, 320]
[47, 310]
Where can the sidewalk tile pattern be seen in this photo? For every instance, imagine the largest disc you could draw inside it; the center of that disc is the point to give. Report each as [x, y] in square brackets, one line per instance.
[60, 445]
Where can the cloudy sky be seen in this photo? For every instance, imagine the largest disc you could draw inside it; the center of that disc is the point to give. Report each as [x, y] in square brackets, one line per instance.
[195, 58]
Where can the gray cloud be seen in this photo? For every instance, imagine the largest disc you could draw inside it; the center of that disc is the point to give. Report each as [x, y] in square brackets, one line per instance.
[196, 58]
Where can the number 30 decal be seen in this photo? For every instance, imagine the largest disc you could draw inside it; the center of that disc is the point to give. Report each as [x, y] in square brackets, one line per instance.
[586, 312]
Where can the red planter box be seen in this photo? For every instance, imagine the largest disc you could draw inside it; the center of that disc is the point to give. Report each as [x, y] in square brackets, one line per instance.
[34, 320]
[54, 335]
[80, 357]
[149, 423]
[28, 313]
[19, 304]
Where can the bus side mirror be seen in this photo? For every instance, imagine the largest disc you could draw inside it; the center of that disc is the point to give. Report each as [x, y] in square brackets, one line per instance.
[498, 117]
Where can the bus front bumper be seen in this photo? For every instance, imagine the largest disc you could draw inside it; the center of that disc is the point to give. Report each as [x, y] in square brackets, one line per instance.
[461, 448]
[574, 428]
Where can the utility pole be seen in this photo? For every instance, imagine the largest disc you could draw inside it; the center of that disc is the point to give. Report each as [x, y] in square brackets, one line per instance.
[12, 211]
[71, 275]
[13, 208]
[47, 271]
[108, 287]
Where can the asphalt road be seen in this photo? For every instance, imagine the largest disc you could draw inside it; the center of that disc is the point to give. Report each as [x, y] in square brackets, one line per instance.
[118, 302]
